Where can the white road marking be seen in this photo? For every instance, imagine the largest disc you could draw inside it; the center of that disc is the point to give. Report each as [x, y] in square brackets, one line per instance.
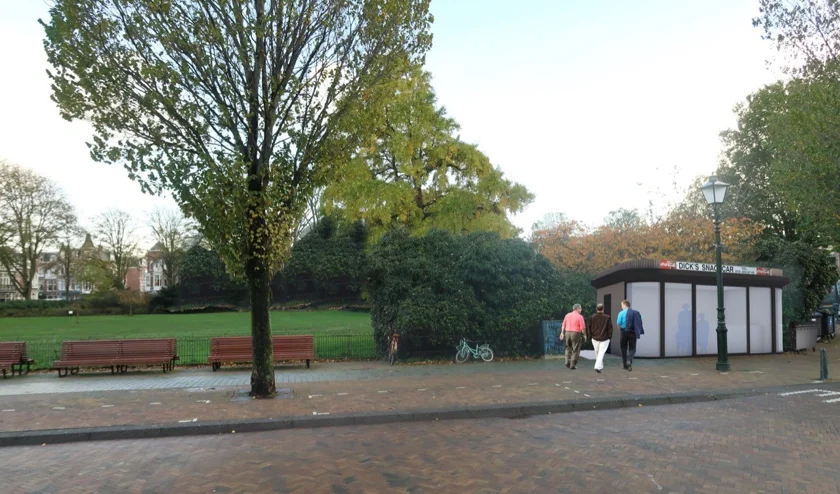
[633, 378]
[343, 394]
[320, 413]
[383, 391]
[460, 387]
[586, 395]
[314, 396]
[187, 421]
[830, 393]
[567, 387]
[422, 389]
[497, 386]
[567, 382]
[532, 384]
[835, 400]
[755, 372]
[107, 406]
[695, 374]
[202, 401]
[791, 393]
[576, 391]
[9, 410]
[58, 408]
[154, 403]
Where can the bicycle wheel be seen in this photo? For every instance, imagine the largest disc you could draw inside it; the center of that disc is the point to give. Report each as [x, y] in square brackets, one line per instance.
[462, 356]
[486, 354]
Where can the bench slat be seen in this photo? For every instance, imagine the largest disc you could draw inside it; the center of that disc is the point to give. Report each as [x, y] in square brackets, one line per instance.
[240, 349]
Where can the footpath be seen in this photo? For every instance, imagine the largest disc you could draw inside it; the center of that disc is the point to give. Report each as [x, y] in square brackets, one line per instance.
[43, 409]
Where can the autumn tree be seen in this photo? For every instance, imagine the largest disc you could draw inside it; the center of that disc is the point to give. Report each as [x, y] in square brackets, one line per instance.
[33, 215]
[116, 232]
[234, 107]
[414, 171]
[684, 233]
[172, 232]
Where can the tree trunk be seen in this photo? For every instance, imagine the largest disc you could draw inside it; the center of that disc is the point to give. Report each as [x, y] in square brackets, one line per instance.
[262, 374]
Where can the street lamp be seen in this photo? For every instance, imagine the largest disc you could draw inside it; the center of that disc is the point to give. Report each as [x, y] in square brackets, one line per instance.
[715, 193]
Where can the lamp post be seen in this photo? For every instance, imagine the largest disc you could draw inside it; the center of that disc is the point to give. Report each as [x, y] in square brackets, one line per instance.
[715, 192]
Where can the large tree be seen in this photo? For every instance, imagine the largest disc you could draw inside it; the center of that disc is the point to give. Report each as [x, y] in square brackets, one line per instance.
[414, 171]
[33, 215]
[68, 262]
[172, 232]
[233, 106]
[806, 32]
[116, 232]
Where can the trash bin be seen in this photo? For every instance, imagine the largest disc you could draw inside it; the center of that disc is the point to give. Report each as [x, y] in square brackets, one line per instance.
[806, 334]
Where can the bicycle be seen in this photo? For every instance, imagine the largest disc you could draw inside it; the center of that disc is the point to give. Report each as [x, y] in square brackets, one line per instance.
[464, 351]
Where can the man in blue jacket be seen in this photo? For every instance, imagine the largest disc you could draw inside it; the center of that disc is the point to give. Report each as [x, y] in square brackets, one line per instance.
[630, 322]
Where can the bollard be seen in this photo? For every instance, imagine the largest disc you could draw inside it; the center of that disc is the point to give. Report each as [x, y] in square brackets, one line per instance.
[823, 365]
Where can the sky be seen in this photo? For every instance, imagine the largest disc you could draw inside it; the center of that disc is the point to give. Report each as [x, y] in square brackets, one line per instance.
[592, 105]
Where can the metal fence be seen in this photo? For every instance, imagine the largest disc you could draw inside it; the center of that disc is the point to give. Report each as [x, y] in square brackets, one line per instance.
[193, 350]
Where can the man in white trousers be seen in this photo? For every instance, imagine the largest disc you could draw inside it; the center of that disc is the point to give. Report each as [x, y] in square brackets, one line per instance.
[600, 330]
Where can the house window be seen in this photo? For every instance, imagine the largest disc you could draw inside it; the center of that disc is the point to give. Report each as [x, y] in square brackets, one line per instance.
[157, 280]
[148, 280]
[5, 280]
[52, 285]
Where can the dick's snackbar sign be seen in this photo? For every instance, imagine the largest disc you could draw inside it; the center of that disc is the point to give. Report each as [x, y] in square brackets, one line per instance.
[710, 268]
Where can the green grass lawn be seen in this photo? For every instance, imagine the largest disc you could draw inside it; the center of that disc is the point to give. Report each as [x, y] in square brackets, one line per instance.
[338, 334]
[180, 325]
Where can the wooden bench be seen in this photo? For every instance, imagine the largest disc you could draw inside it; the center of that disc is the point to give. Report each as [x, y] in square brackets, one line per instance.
[116, 354]
[24, 360]
[10, 356]
[238, 349]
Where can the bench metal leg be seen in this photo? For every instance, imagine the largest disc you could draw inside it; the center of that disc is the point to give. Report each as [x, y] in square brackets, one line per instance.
[66, 371]
[307, 363]
[4, 374]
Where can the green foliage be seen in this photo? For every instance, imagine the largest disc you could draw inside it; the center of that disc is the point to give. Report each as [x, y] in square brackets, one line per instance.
[33, 304]
[236, 113]
[165, 298]
[329, 262]
[412, 170]
[203, 276]
[442, 287]
[811, 270]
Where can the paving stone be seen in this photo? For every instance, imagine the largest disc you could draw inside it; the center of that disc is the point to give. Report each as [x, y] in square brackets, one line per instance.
[763, 444]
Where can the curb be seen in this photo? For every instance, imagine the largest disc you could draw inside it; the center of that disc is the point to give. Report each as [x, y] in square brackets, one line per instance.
[512, 411]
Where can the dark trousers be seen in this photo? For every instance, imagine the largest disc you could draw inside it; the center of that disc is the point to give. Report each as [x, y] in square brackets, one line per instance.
[628, 346]
[573, 341]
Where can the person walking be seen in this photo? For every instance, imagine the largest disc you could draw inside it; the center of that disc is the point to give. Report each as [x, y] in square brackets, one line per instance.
[600, 330]
[630, 323]
[573, 332]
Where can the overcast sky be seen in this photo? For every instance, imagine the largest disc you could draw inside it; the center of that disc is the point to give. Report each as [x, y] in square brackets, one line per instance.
[580, 101]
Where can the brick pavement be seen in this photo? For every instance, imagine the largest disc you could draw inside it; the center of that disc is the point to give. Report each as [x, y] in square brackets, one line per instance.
[372, 386]
[763, 444]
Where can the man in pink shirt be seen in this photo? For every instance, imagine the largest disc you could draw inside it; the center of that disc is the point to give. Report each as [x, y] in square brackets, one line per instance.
[574, 333]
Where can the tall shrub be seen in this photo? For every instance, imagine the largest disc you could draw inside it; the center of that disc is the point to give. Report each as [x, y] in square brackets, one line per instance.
[442, 287]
